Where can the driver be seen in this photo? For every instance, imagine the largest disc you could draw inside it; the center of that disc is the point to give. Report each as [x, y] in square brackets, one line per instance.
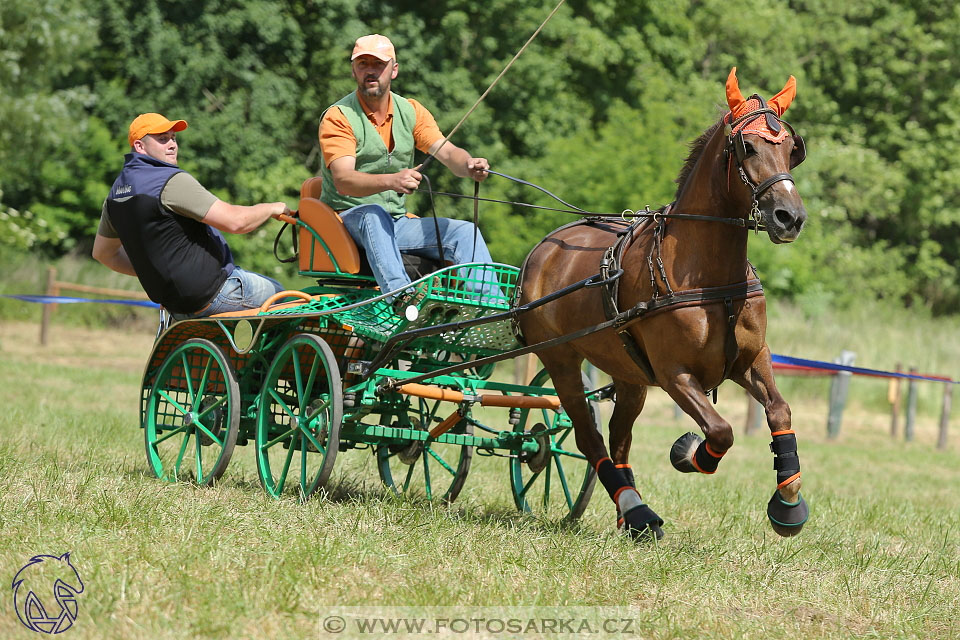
[368, 140]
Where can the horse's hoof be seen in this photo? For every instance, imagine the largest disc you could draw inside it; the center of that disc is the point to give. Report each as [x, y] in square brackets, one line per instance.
[682, 452]
[787, 518]
[641, 524]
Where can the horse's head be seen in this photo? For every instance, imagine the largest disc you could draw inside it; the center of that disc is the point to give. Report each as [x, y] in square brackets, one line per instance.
[762, 149]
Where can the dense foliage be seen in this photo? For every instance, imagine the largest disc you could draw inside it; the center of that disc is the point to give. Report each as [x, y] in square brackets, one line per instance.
[599, 109]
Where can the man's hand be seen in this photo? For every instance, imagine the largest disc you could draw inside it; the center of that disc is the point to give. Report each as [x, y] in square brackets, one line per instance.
[280, 208]
[406, 180]
[477, 168]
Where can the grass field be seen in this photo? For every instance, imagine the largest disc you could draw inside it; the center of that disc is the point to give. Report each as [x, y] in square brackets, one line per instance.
[878, 559]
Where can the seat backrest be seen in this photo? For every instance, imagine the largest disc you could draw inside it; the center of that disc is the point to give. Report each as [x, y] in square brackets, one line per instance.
[322, 226]
[312, 187]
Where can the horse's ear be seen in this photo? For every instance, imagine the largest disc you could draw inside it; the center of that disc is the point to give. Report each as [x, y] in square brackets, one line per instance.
[734, 97]
[782, 100]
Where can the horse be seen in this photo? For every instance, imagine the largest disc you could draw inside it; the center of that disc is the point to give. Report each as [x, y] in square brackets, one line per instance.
[690, 308]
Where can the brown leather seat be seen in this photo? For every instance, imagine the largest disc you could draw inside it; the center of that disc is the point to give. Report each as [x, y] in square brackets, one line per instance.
[325, 222]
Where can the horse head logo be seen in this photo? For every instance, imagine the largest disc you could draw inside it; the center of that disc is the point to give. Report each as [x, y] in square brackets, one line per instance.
[42, 576]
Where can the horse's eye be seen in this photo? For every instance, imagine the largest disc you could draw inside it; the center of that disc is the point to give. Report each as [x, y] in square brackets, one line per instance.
[749, 148]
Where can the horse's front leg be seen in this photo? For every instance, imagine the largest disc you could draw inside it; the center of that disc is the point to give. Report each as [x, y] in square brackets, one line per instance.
[691, 452]
[787, 509]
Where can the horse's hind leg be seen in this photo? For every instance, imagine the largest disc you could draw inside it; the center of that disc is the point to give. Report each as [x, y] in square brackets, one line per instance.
[787, 509]
[564, 368]
[633, 516]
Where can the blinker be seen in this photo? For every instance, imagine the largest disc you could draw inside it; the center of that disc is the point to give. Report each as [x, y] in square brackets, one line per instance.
[739, 147]
[799, 152]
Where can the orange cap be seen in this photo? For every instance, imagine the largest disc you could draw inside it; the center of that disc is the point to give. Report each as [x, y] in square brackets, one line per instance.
[146, 123]
[374, 45]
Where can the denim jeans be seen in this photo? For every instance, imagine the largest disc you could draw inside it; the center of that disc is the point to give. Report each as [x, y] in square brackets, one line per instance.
[240, 291]
[383, 238]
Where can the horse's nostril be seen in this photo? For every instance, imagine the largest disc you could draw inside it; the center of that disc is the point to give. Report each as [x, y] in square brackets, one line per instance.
[784, 218]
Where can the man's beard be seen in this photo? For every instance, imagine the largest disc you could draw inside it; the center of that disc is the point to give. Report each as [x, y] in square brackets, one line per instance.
[375, 92]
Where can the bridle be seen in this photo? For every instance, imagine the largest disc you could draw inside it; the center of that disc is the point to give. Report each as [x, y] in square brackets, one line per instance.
[735, 150]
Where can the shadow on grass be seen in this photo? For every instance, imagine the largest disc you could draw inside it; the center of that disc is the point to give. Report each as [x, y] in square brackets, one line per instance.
[373, 496]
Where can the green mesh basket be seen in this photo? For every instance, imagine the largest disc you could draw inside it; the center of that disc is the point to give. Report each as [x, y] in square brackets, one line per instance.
[457, 293]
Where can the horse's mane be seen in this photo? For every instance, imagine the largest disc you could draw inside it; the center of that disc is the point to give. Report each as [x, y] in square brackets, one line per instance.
[696, 150]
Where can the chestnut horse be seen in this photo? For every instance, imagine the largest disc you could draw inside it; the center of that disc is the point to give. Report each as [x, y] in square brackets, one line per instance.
[692, 310]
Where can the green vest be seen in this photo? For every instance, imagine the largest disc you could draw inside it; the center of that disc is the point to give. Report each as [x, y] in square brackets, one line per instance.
[372, 155]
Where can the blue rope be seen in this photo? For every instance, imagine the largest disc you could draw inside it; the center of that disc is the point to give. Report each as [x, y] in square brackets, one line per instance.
[68, 300]
[832, 366]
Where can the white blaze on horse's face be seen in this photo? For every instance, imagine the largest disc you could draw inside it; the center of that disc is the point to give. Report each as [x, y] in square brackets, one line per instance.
[781, 206]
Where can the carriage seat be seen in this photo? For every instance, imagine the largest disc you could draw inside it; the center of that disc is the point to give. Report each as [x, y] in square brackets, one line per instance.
[320, 217]
[351, 259]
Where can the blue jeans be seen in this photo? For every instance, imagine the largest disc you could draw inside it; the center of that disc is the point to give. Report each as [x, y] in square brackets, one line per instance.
[384, 238]
[241, 290]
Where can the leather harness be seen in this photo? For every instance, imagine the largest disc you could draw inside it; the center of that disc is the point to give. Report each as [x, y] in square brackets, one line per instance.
[667, 298]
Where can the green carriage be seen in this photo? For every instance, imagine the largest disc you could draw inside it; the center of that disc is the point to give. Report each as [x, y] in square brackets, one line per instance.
[319, 372]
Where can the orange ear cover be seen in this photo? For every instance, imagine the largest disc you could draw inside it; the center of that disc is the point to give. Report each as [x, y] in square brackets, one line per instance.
[734, 97]
[782, 100]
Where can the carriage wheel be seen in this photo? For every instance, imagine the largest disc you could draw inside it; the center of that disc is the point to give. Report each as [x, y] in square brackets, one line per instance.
[430, 469]
[557, 481]
[192, 414]
[298, 426]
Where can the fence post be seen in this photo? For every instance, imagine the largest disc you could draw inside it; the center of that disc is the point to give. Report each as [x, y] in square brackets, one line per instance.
[911, 406]
[47, 307]
[756, 416]
[593, 376]
[525, 367]
[893, 397]
[838, 393]
[945, 415]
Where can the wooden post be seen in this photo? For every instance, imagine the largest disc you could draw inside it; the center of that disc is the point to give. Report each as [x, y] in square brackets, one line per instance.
[525, 368]
[893, 397]
[756, 416]
[47, 307]
[945, 415]
[911, 407]
[838, 393]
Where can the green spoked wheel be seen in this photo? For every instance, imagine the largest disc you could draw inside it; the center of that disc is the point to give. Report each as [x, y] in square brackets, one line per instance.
[192, 414]
[434, 470]
[298, 425]
[555, 482]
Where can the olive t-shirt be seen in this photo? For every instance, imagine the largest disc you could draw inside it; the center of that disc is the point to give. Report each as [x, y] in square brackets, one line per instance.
[182, 194]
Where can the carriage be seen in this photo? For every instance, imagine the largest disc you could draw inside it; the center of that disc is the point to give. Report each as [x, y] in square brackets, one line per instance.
[337, 369]
[318, 372]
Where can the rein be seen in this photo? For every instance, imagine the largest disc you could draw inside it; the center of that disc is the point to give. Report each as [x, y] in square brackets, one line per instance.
[626, 214]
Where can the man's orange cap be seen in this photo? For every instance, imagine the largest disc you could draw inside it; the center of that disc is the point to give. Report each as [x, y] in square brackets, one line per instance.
[147, 123]
[374, 45]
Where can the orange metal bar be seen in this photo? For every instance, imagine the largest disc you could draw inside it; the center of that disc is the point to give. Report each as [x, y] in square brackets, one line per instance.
[448, 423]
[431, 392]
[520, 402]
[486, 400]
[282, 217]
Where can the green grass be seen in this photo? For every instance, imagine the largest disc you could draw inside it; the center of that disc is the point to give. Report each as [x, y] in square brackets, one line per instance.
[878, 558]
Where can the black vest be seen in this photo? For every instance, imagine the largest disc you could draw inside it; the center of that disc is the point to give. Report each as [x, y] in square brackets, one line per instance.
[181, 262]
